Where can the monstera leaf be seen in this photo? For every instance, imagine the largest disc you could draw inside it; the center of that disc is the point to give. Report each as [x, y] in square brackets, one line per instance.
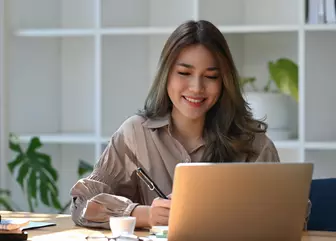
[284, 73]
[5, 200]
[83, 168]
[35, 173]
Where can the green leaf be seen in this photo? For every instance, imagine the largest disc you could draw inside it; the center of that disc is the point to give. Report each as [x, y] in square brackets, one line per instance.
[56, 203]
[14, 143]
[43, 158]
[84, 168]
[6, 203]
[52, 188]
[248, 80]
[284, 73]
[23, 172]
[44, 190]
[35, 143]
[50, 171]
[37, 174]
[5, 192]
[32, 184]
[13, 164]
[14, 147]
[5, 199]
[53, 196]
[49, 191]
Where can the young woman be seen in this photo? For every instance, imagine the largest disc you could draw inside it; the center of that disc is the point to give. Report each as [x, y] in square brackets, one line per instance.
[194, 112]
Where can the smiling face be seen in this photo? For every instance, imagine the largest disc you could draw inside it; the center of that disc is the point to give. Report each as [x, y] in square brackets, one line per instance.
[194, 83]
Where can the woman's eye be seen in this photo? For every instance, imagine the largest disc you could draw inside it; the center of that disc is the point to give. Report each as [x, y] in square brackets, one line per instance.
[212, 77]
[183, 73]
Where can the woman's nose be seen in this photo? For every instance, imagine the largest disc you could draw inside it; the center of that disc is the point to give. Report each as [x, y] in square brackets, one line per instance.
[196, 84]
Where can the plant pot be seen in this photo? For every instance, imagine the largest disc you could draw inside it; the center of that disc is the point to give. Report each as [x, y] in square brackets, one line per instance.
[274, 109]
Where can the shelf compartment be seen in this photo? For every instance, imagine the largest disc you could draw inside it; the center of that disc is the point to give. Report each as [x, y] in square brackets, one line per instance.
[53, 13]
[324, 163]
[319, 89]
[252, 52]
[140, 13]
[247, 12]
[54, 79]
[287, 144]
[125, 79]
[289, 154]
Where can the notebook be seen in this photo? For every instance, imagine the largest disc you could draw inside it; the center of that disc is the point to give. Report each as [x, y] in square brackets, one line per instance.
[22, 224]
[34, 225]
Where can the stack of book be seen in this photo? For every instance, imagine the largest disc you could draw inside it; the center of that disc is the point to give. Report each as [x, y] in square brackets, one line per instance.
[11, 230]
[321, 11]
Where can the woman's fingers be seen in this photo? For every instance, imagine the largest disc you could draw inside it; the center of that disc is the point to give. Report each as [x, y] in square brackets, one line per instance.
[159, 212]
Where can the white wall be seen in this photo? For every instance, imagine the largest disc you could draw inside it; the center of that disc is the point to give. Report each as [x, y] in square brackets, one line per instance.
[57, 84]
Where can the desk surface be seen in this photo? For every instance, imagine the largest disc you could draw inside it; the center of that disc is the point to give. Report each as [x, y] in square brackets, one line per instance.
[66, 230]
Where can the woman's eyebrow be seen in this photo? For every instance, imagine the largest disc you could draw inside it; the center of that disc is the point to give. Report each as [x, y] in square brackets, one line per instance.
[186, 65]
[192, 67]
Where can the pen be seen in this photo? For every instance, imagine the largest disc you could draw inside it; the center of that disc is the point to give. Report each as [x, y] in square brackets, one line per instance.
[151, 185]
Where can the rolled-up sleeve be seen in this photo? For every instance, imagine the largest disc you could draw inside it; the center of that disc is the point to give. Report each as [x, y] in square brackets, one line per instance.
[112, 188]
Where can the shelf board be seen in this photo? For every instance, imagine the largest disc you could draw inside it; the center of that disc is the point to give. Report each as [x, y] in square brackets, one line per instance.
[320, 27]
[223, 29]
[320, 145]
[137, 31]
[287, 144]
[59, 32]
[91, 139]
[258, 28]
[55, 32]
[61, 138]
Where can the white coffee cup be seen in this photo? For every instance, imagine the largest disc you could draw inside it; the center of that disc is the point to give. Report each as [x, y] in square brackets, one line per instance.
[122, 225]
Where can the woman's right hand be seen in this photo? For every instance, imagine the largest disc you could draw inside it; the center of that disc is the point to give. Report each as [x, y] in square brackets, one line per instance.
[159, 212]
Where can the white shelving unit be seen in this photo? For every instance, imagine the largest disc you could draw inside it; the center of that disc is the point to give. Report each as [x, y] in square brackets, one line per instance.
[75, 69]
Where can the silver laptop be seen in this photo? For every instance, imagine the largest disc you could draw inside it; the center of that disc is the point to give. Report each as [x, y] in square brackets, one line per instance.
[239, 201]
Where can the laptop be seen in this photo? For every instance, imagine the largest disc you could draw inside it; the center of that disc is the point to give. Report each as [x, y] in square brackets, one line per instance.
[239, 201]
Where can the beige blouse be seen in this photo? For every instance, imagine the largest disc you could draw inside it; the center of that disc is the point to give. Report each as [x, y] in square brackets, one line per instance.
[113, 188]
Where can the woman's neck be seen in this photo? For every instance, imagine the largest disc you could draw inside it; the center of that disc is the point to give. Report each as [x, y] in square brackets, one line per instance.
[189, 132]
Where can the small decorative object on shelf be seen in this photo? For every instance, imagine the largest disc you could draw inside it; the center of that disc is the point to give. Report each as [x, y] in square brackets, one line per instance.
[320, 11]
[273, 104]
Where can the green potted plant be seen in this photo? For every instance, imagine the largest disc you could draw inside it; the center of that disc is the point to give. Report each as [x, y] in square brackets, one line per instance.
[36, 175]
[274, 104]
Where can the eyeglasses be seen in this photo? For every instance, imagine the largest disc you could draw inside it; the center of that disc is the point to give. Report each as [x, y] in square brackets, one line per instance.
[119, 238]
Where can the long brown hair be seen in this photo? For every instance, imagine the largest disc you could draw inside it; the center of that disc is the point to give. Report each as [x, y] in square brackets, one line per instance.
[229, 126]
